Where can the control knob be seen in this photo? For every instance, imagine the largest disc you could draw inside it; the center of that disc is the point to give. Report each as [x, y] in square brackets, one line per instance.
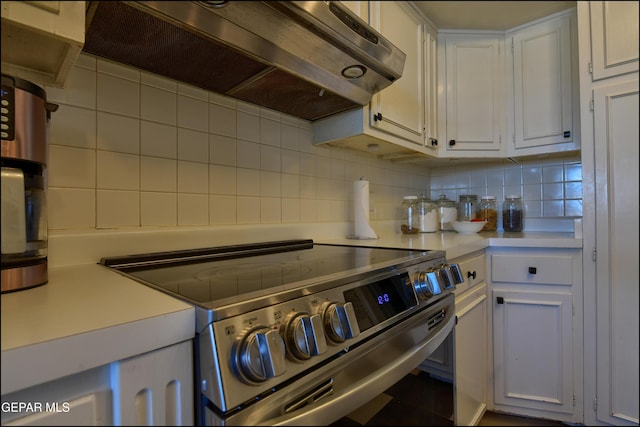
[339, 321]
[303, 335]
[429, 283]
[260, 354]
[452, 274]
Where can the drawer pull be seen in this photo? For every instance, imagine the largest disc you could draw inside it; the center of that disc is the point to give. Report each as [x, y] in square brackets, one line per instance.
[500, 300]
[471, 275]
[532, 270]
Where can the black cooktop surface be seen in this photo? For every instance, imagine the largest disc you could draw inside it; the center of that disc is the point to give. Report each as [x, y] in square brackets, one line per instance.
[209, 275]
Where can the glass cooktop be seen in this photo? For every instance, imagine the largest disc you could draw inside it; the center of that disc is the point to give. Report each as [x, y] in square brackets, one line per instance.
[220, 275]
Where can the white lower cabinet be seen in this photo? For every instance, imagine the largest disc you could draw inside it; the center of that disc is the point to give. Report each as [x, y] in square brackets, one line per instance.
[471, 356]
[82, 399]
[471, 347]
[154, 388]
[537, 332]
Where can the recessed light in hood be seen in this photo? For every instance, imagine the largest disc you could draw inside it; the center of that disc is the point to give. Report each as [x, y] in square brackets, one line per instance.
[309, 59]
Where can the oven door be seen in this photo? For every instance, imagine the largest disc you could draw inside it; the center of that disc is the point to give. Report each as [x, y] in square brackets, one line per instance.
[327, 394]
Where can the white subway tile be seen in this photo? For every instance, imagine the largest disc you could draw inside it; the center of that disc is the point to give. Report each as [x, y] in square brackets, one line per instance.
[248, 210]
[222, 180]
[290, 210]
[71, 167]
[193, 145]
[270, 185]
[73, 127]
[193, 113]
[158, 140]
[248, 126]
[118, 171]
[117, 209]
[193, 177]
[270, 158]
[270, 132]
[248, 182]
[270, 210]
[71, 208]
[158, 209]
[222, 209]
[248, 154]
[118, 133]
[118, 95]
[223, 150]
[157, 174]
[158, 105]
[193, 209]
[222, 120]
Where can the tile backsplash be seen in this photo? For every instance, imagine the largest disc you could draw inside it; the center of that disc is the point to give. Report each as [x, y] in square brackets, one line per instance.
[550, 187]
[129, 149]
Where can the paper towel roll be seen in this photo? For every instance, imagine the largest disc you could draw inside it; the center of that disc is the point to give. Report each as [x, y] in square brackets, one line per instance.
[361, 211]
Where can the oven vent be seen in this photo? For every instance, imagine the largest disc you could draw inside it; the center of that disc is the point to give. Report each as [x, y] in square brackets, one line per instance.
[323, 390]
[306, 59]
[434, 319]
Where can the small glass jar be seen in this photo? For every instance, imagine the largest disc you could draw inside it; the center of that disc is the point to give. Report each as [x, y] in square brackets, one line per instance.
[410, 223]
[467, 207]
[447, 212]
[487, 212]
[512, 214]
[427, 215]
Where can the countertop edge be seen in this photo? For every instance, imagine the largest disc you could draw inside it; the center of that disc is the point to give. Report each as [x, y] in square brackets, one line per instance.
[58, 358]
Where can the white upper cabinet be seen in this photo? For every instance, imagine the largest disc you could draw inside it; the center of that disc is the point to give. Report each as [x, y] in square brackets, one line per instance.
[41, 40]
[399, 109]
[393, 124]
[614, 38]
[473, 78]
[544, 114]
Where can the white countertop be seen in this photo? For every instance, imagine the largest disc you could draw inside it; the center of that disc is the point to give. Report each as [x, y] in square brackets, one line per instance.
[88, 316]
[456, 245]
[85, 316]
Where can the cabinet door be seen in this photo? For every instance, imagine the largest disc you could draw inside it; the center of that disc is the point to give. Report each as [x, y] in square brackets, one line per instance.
[473, 93]
[399, 109]
[542, 84]
[431, 88]
[616, 172]
[533, 357]
[614, 38]
[471, 357]
[156, 388]
[41, 40]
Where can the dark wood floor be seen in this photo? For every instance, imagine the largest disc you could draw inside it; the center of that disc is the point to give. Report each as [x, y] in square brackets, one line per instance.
[416, 400]
[420, 400]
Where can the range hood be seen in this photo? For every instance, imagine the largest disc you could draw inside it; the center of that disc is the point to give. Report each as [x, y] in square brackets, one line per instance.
[309, 59]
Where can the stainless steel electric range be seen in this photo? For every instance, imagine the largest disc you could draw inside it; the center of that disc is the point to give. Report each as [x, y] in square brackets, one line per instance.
[299, 333]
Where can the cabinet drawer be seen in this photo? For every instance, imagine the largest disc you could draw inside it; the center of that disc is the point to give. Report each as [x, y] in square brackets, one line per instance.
[474, 271]
[544, 270]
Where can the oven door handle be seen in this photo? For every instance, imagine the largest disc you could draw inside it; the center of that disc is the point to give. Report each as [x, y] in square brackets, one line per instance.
[323, 411]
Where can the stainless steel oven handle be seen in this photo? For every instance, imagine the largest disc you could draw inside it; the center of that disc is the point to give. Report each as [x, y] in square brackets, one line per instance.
[364, 390]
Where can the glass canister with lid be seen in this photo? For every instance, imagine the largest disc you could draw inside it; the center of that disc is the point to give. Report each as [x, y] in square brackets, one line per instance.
[447, 212]
[487, 211]
[410, 224]
[427, 215]
[512, 214]
[467, 207]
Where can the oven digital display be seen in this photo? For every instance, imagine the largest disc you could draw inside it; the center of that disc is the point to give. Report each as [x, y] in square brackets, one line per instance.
[378, 301]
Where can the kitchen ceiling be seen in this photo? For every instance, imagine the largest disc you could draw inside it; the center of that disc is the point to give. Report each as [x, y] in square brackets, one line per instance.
[487, 15]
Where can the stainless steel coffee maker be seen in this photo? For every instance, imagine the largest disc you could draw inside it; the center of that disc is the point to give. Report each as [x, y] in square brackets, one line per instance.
[24, 129]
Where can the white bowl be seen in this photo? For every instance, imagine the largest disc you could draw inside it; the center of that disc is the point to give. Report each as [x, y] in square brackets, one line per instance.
[468, 227]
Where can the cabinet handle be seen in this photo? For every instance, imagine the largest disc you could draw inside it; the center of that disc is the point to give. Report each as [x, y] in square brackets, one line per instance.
[377, 117]
[567, 134]
[452, 142]
[532, 270]
[433, 141]
[471, 274]
[500, 300]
